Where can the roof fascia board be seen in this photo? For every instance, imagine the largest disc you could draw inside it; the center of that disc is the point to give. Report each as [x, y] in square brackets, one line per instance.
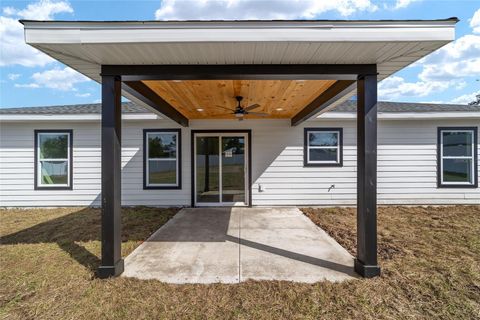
[96, 33]
[233, 24]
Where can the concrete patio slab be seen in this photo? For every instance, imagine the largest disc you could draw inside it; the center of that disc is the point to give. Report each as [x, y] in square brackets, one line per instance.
[230, 245]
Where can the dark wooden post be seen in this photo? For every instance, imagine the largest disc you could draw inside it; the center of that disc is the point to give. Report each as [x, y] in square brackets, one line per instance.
[366, 262]
[112, 263]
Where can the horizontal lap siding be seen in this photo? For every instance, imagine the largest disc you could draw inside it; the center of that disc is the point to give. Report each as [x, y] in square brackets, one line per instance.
[406, 165]
[17, 161]
[17, 166]
[286, 181]
[414, 144]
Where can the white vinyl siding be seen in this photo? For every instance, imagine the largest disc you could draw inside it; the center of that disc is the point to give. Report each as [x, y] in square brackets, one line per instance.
[407, 165]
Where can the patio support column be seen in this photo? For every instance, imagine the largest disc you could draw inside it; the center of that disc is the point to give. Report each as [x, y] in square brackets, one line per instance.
[366, 262]
[112, 263]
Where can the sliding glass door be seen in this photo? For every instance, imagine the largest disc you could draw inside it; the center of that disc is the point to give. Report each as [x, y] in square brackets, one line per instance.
[220, 171]
[207, 178]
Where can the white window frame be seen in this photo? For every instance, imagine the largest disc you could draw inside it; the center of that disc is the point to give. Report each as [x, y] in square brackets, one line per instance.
[472, 158]
[147, 160]
[40, 160]
[338, 147]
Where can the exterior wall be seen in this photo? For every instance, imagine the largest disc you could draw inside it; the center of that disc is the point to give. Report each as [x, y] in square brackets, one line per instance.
[406, 165]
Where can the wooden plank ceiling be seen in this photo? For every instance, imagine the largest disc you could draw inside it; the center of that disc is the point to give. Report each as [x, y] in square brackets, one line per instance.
[206, 99]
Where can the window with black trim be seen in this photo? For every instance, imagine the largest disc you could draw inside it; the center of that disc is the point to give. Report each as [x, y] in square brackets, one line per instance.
[323, 147]
[53, 159]
[162, 158]
[457, 157]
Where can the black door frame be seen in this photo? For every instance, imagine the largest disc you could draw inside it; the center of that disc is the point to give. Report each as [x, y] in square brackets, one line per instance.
[249, 160]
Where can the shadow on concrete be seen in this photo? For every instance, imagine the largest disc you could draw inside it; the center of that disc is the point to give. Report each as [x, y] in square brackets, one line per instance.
[214, 224]
[295, 256]
[209, 225]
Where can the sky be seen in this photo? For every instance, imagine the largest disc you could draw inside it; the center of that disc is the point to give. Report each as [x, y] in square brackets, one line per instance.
[31, 78]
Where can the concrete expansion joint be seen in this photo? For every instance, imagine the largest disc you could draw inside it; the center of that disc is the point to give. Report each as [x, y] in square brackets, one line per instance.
[232, 245]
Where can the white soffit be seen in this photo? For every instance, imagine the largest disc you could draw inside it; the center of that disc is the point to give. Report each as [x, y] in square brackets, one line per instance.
[85, 46]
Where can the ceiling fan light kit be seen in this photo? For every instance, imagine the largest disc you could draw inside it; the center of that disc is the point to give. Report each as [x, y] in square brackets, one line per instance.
[240, 112]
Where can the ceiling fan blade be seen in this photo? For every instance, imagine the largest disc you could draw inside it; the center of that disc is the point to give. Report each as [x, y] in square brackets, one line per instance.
[253, 106]
[260, 114]
[224, 114]
[224, 108]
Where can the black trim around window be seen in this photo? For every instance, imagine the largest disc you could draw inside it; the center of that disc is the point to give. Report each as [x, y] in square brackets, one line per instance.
[441, 184]
[306, 163]
[36, 186]
[179, 159]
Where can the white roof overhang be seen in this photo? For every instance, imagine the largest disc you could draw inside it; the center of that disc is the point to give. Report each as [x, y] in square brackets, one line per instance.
[391, 45]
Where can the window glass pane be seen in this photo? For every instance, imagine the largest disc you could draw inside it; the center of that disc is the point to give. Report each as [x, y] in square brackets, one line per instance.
[207, 169]
[457, 170]
[323, 155]
[53, 146]
[162, 145]
[54, 172]
[162, 172]
[233, 169]
[318, 139]
[457, 143]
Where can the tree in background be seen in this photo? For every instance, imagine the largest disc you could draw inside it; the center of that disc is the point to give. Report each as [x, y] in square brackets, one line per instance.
[476, 102]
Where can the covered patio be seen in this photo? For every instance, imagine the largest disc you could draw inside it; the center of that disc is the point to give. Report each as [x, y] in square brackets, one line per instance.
[294, 70]
[133, 76]
[232, 245]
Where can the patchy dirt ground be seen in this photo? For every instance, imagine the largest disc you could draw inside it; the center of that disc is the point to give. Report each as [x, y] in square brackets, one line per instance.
[397, 227]
[429, 258]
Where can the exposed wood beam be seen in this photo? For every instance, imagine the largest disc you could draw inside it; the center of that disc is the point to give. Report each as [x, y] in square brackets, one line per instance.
[366, 262]
[240, 72]
[142, 92]
[325, 99]
[112, 262]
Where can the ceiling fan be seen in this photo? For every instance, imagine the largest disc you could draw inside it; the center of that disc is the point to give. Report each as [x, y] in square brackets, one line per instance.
[240, 111]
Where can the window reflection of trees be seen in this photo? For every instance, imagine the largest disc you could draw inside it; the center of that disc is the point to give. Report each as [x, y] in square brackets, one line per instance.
[162, 146]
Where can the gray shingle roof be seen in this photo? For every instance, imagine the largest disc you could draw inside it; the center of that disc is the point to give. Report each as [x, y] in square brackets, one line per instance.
[347, 106]
[386, 106]
[92, 108]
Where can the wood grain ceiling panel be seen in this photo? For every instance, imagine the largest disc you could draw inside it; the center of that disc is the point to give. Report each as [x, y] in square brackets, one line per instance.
[281, 99]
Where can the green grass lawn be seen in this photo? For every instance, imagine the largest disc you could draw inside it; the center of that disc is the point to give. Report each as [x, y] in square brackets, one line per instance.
[429, 258]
